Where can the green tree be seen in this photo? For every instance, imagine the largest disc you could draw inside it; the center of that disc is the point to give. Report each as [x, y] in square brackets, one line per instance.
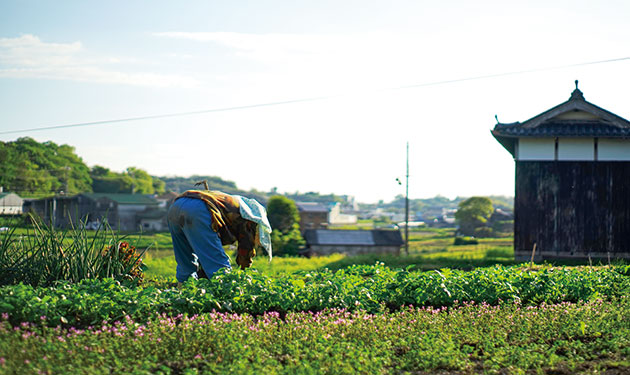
[133, 180]
[284, 218]
[106, 181]
[142, 183]
[473, 213]
[31, 168]
[159, 186]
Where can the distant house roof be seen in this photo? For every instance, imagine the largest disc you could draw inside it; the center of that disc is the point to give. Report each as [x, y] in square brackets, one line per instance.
[131, 199]
[374, 237]
[167, 196]
[311, 207]
[11, 197]
[574, 118]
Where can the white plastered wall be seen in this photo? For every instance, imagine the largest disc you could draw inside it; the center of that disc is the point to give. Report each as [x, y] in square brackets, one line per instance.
[576, 149]
[536, 149]
[613, 149]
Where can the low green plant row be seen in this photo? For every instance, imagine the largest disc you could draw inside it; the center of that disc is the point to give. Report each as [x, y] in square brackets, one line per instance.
[568, 338]
[372, 288]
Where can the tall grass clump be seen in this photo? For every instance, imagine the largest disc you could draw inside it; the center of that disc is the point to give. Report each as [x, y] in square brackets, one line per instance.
[46, 254]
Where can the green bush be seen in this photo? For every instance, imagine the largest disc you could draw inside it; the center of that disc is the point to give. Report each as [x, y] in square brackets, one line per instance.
[483, 232]
[284, 218]
[503, 226]
[459, 240]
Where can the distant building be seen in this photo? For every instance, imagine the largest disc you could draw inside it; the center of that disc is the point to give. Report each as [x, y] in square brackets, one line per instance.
[335, 216]
[10, 204]
[312, 215]
[352, 242]
[152, 219]
[123, 211]
[572, 190]
[166, 199]
[445, 219]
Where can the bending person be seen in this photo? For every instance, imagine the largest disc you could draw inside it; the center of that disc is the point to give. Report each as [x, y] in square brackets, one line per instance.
[202, 221]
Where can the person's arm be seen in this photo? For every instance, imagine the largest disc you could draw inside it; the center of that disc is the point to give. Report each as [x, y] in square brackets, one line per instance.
[246, 244]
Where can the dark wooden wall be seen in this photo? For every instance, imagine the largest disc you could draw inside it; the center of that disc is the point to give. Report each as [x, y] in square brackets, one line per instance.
[572, 209]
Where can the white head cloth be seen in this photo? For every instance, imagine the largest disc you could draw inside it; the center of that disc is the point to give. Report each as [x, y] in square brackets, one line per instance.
[253, 211]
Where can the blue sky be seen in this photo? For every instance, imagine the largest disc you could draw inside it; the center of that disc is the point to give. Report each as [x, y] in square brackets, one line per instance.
[82, 61]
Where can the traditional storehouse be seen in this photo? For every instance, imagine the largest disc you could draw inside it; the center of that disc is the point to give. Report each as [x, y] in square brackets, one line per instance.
[352, 242]
[122, 211]
[10, 204]
[572, 190]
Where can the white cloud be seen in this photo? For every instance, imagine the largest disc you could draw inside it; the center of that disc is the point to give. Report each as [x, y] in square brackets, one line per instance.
[326, 62]
[29, 57]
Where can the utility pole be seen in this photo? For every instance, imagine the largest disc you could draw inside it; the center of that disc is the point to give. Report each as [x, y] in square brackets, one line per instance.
[407, 205]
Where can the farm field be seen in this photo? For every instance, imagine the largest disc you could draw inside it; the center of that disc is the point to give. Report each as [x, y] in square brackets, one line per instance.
[443, 309]
[428, 249]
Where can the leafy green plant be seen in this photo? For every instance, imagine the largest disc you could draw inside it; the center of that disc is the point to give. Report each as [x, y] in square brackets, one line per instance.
[373, 288]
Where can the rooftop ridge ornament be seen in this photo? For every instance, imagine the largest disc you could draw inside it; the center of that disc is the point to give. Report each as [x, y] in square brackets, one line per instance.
[577, 94]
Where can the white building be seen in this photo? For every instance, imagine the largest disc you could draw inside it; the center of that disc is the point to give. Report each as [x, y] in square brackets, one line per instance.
[10, 204]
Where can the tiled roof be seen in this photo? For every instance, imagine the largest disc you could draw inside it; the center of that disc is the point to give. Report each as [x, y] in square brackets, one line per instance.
[311, 207]
[565, 128]
[561, 121]
[353, 237]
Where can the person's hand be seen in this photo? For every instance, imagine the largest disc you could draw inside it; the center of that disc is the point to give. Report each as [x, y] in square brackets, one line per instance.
[244, 258]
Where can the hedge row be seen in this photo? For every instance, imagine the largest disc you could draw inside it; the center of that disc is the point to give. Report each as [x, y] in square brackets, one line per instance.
[372, 288]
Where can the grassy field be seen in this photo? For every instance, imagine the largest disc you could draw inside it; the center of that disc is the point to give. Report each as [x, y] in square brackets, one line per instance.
[548, 320]
[428, 249]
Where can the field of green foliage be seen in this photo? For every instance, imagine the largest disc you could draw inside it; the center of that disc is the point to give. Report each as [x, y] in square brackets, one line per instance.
[445, 309]
[428, 249]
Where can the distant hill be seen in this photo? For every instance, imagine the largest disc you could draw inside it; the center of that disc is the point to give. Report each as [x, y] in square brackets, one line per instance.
[179, 184]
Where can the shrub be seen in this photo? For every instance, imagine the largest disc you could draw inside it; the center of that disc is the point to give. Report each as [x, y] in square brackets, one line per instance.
[484, 232]
[465, 241]
[503, 226]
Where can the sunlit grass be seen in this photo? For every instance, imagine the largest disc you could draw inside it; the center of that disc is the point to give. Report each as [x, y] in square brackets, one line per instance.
[428, 249]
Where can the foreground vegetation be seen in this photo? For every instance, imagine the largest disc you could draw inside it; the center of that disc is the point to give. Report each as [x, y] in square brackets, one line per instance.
[371, 288]
[565, 338]
[369, 314]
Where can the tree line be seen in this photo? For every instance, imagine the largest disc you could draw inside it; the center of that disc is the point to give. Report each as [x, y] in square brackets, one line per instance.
[31, 168]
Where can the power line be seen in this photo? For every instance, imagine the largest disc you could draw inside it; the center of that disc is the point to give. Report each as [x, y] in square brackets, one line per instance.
[511, 73]
[179, 114]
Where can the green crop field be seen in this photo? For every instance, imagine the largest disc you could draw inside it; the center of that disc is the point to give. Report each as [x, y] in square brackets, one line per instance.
[428, 249]
[441, 309]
